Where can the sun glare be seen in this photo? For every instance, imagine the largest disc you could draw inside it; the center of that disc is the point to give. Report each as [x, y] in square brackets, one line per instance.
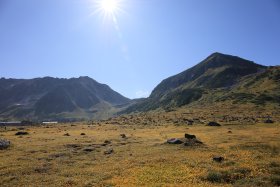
[108, 9]
[109, 6]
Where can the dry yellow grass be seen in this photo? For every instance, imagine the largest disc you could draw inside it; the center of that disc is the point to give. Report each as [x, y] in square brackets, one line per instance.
[46, 157]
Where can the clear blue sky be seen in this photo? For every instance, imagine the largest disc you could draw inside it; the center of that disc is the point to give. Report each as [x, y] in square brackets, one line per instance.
[154, 40]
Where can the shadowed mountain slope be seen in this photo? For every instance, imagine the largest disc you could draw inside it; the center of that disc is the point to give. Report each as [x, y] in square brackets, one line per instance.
[217, 70]
[218, 78]
[53, 98]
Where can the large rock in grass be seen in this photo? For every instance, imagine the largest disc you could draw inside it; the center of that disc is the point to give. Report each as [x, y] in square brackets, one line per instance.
[218, 158]
[192, 142]
[21, 133]
[190, 136]
[4, 144]
[268, 121]
[174, 141]
[189, 140]
[213, 124]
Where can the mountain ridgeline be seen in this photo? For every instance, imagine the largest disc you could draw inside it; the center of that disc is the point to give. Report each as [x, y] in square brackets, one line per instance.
[218, 70]
[218, 78]
[56, 99]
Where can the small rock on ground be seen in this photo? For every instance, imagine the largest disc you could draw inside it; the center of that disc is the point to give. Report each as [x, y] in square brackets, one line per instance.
[4, 144]
[190, 136]
[21, 133]
[174, 141]
[192, 142]
[213, 124]
[107, 142]
[89, 149]
[268, 121]
[218, 158]
[108, 151]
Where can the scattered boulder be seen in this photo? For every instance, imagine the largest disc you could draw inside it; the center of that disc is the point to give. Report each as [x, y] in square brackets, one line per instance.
[189, 122]
[83, 134]
[21, 133]
[229, 132]
[109, 151]
[107, 142]
[190, 136]
[213, 124]
[268, 121]
[218, 158]
[66, 134]
[189, 140]
[4, 144]
[123, 135]
[88, 149]
[174, 141]
[192, 142]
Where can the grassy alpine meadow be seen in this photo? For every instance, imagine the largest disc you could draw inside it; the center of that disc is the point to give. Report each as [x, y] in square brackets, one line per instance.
[139, 93]
[131, 150]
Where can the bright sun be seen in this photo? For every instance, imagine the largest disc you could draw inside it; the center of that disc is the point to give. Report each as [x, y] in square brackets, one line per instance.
[109, 6]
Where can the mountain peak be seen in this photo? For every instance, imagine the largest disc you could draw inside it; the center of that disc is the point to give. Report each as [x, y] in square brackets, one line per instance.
[85, 77]
[217, 54]
[214, 76]
[56, 98]
[219, 59]
[216, 71]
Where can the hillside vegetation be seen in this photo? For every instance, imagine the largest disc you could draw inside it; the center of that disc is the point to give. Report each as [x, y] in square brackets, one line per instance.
[217, 79]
